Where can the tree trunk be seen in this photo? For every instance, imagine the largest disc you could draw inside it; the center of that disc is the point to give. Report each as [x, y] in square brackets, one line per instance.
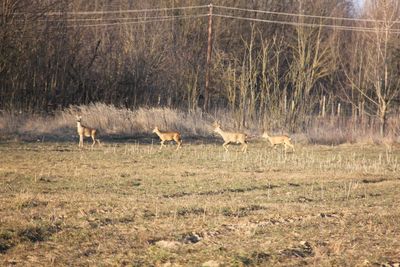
[383, 121]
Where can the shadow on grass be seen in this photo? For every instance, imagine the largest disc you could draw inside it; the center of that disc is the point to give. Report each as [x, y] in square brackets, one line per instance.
[139, 138]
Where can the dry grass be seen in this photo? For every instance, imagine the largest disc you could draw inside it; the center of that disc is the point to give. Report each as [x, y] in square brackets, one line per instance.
[111, 121]
[119, 123]
[129, 204]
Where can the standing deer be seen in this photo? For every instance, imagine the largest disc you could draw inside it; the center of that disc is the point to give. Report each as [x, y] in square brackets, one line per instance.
[168, 136]
[84, 131]
[279, 139]
[231, 137]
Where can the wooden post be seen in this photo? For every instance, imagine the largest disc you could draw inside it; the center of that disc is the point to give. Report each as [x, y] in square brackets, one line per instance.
[209, 51]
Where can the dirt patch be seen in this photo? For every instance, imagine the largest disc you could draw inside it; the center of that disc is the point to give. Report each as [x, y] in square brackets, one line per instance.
[190, 211]
[256, 258]
[6, 240]
[222, 191]
[33, 203]
[241, 211]
[301, 251]
[37, 233]
[304, 200]
[373, 181]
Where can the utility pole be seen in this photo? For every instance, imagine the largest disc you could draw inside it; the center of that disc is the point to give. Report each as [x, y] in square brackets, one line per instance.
[208, 63]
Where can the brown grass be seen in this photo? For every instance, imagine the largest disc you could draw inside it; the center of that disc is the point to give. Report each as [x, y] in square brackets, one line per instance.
[130, 204]
[117, 123]
[111, 122]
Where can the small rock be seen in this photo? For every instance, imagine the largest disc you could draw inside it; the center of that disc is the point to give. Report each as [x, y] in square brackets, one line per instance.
[191, 238]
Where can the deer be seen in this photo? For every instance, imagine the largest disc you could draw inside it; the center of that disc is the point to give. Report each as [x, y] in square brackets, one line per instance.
[279, 139]
[84, 131]
[168, 136]
[231, 137]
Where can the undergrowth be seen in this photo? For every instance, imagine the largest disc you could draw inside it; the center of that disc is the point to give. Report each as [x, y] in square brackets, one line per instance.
[113, 122]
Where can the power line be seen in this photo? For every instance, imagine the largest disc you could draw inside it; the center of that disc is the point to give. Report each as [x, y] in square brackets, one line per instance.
[348, 28]
[302, 15]
[160, 19]
[103, 12]
[117, 11]
[138, 20]
[144, 18]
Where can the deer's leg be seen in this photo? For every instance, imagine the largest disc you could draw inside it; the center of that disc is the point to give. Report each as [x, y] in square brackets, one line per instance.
[292, 147]
[244, 147]
[288, 144]
[162, 144]
[80, 141]
[225, 145]
[94, 141]
[179, 143]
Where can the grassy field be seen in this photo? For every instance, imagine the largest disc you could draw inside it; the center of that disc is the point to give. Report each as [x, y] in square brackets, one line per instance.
[130, 204]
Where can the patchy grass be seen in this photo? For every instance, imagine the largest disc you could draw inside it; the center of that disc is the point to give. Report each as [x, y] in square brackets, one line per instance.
[131, 204]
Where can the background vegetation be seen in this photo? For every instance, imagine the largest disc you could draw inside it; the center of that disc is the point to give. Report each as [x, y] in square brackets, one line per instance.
[54, 55]
[122, 124]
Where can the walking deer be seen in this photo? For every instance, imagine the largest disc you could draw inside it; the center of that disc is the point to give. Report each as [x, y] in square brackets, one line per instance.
[231, 137]
[84, 131]
[168, 136]
[279, 139]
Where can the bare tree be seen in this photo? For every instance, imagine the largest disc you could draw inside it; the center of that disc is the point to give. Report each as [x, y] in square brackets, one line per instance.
[373, 76]
[383, 45]
[312, 61]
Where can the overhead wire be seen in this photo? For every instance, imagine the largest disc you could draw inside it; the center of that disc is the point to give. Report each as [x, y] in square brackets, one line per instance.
[102, 12]
[340, 27]
[300, 15]
[150, 19]
[156, 19]
[168, 18]
[115, 19]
